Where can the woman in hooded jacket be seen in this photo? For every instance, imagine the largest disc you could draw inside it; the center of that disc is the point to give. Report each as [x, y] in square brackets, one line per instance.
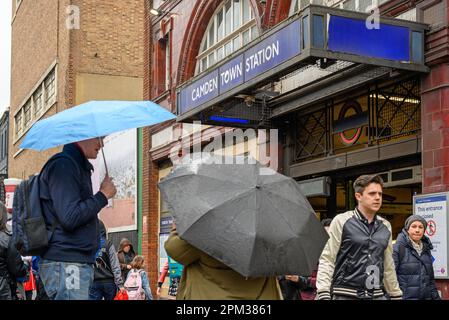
[125, 255]
[11, 264]
[413, 261]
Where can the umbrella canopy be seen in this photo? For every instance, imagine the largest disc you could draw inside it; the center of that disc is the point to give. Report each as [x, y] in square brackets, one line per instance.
[93, 119]
[258, 225]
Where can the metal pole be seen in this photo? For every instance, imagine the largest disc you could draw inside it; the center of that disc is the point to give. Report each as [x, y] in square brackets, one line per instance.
[104, 159]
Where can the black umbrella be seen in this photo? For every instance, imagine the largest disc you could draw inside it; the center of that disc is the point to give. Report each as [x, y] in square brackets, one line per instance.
[258, 225]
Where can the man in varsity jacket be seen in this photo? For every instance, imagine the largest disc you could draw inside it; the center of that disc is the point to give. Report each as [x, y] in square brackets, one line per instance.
[357, 261]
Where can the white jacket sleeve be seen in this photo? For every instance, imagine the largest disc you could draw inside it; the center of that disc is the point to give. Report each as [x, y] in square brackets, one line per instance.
[327, 259]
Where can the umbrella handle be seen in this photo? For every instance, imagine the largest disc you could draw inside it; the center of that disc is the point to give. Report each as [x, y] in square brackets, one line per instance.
[104, 159]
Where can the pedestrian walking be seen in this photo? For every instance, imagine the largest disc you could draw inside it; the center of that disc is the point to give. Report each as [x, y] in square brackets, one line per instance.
[40, 290]
[137, 284]
[11, 264]
[29, 286]
[174, 271]
[70, 211]
[357, 261]
[308, 291]
[125, 255]
[205, 278]
[107, 274]
[413, 261]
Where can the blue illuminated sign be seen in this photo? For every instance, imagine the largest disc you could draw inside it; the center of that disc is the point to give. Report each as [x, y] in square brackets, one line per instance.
[352, 36]
[229, 120]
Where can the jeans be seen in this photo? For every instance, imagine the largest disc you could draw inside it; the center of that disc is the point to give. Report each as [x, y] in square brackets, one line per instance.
[66, 280]
[100, 290]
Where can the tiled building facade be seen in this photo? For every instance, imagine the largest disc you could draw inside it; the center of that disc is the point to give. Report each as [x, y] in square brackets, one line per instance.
[179, 42]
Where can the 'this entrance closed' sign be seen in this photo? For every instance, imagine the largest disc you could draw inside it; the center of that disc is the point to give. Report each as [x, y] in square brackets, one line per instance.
[434, 208]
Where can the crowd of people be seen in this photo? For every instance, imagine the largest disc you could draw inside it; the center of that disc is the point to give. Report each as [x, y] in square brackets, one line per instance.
[359, 260]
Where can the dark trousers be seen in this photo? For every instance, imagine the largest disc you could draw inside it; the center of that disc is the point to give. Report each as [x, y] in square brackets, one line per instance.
[290, 290]
[100, 290]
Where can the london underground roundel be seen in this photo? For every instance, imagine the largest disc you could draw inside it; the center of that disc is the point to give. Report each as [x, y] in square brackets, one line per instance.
[350, 139]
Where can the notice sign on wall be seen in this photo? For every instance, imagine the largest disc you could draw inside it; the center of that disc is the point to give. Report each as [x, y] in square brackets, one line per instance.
[434, 208]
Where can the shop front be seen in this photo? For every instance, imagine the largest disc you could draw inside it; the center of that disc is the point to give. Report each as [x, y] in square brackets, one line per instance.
[346, 94]
[344, 98]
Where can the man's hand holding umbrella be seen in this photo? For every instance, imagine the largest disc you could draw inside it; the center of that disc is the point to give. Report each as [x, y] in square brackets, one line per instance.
[107, 187]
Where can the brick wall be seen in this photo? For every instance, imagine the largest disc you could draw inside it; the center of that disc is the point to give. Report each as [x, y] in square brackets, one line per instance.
[39, 37]
[149, 223]
[435, 118]
[111, 38]
[188, 24]
[113, 30]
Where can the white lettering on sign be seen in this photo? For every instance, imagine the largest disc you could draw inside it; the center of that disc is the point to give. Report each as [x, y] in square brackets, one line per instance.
[231, 74]
[205, 89]
[262, 56]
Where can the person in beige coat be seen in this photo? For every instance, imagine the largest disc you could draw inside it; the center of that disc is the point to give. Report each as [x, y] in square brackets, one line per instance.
[205, 278]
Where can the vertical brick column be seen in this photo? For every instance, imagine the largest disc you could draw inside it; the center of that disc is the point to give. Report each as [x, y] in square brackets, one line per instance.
[435, 137]
[435, 129]
[150, 173]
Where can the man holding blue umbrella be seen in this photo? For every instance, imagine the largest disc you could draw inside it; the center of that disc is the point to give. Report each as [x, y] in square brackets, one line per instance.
[70, 207]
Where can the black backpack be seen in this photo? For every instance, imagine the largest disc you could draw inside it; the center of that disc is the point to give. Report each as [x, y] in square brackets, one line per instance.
[29, 231]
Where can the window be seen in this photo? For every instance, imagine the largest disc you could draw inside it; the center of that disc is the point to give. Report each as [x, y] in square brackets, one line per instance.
[50, 89]
[18, 122]
[41, 99]
[297, 5]
[16, 7]
[157, 3]
[27, 112]
[364, 5]
[38, 101]
[162, 58]
[3, 146]
[167, 63]
[231, 27]
[349, 5]
[360, 5]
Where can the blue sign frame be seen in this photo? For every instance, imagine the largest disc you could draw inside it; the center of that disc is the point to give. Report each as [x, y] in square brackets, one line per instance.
[267, 54]
[316, 32]
[387, 42]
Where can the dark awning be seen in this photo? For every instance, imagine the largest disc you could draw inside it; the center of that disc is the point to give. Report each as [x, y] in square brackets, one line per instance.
[316, 33]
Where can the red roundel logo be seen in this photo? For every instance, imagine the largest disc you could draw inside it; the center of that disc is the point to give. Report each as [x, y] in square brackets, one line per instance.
[350, 139]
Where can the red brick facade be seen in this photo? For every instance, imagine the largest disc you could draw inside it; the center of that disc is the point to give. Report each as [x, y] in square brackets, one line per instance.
[186, 27]
[187, 32]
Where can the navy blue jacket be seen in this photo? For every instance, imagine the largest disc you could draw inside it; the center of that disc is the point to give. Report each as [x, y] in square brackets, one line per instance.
[66, 193]
[414, 272]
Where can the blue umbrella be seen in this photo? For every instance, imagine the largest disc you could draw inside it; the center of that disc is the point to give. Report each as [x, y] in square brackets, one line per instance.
[93, 119]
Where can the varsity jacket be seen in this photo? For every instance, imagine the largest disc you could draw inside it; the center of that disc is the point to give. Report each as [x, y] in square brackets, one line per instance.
[357, 260]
